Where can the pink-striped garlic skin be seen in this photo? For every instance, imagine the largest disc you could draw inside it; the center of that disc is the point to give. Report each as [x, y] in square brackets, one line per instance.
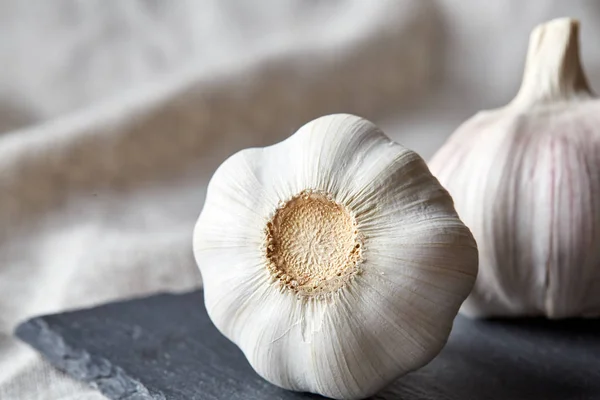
[527, 184]
[526, 180]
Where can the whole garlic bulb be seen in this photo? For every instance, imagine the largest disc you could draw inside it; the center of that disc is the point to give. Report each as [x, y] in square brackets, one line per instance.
[526, 179]
[333, 259]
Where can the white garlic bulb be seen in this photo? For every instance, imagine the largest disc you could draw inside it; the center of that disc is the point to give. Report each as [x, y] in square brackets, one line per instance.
[526, 179]
[333, 259]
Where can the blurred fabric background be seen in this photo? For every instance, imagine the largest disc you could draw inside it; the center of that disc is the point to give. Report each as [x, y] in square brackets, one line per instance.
[114, 114]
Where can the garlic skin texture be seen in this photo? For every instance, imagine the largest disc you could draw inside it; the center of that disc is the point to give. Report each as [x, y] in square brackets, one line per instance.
[333, 259]
[526, 179]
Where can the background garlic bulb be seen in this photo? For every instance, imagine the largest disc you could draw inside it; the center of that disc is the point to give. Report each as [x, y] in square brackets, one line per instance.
[333, 259]
[526, 179]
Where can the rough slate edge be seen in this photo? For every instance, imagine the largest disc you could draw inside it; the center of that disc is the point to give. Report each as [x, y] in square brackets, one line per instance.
[47, 335]
[111, 380]
[527, 359]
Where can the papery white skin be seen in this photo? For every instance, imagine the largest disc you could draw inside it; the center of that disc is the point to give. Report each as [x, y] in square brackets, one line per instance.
[526, 180]
[420, 261]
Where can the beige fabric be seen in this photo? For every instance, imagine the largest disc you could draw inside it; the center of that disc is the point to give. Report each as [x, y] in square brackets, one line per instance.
[115, 113]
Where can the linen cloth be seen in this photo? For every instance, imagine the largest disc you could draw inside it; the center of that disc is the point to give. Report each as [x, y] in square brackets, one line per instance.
[114, 114]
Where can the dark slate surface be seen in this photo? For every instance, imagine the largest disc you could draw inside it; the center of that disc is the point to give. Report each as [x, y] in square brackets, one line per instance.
[165, 347]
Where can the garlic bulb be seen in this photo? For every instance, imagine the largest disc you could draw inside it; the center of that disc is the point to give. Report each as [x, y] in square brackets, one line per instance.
[526, 179]
[333, 259]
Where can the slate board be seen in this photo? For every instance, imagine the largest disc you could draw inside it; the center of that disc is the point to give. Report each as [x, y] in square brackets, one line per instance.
[165, 347]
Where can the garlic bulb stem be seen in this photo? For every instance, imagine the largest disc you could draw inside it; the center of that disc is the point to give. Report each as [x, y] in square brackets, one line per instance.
[553, 70]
